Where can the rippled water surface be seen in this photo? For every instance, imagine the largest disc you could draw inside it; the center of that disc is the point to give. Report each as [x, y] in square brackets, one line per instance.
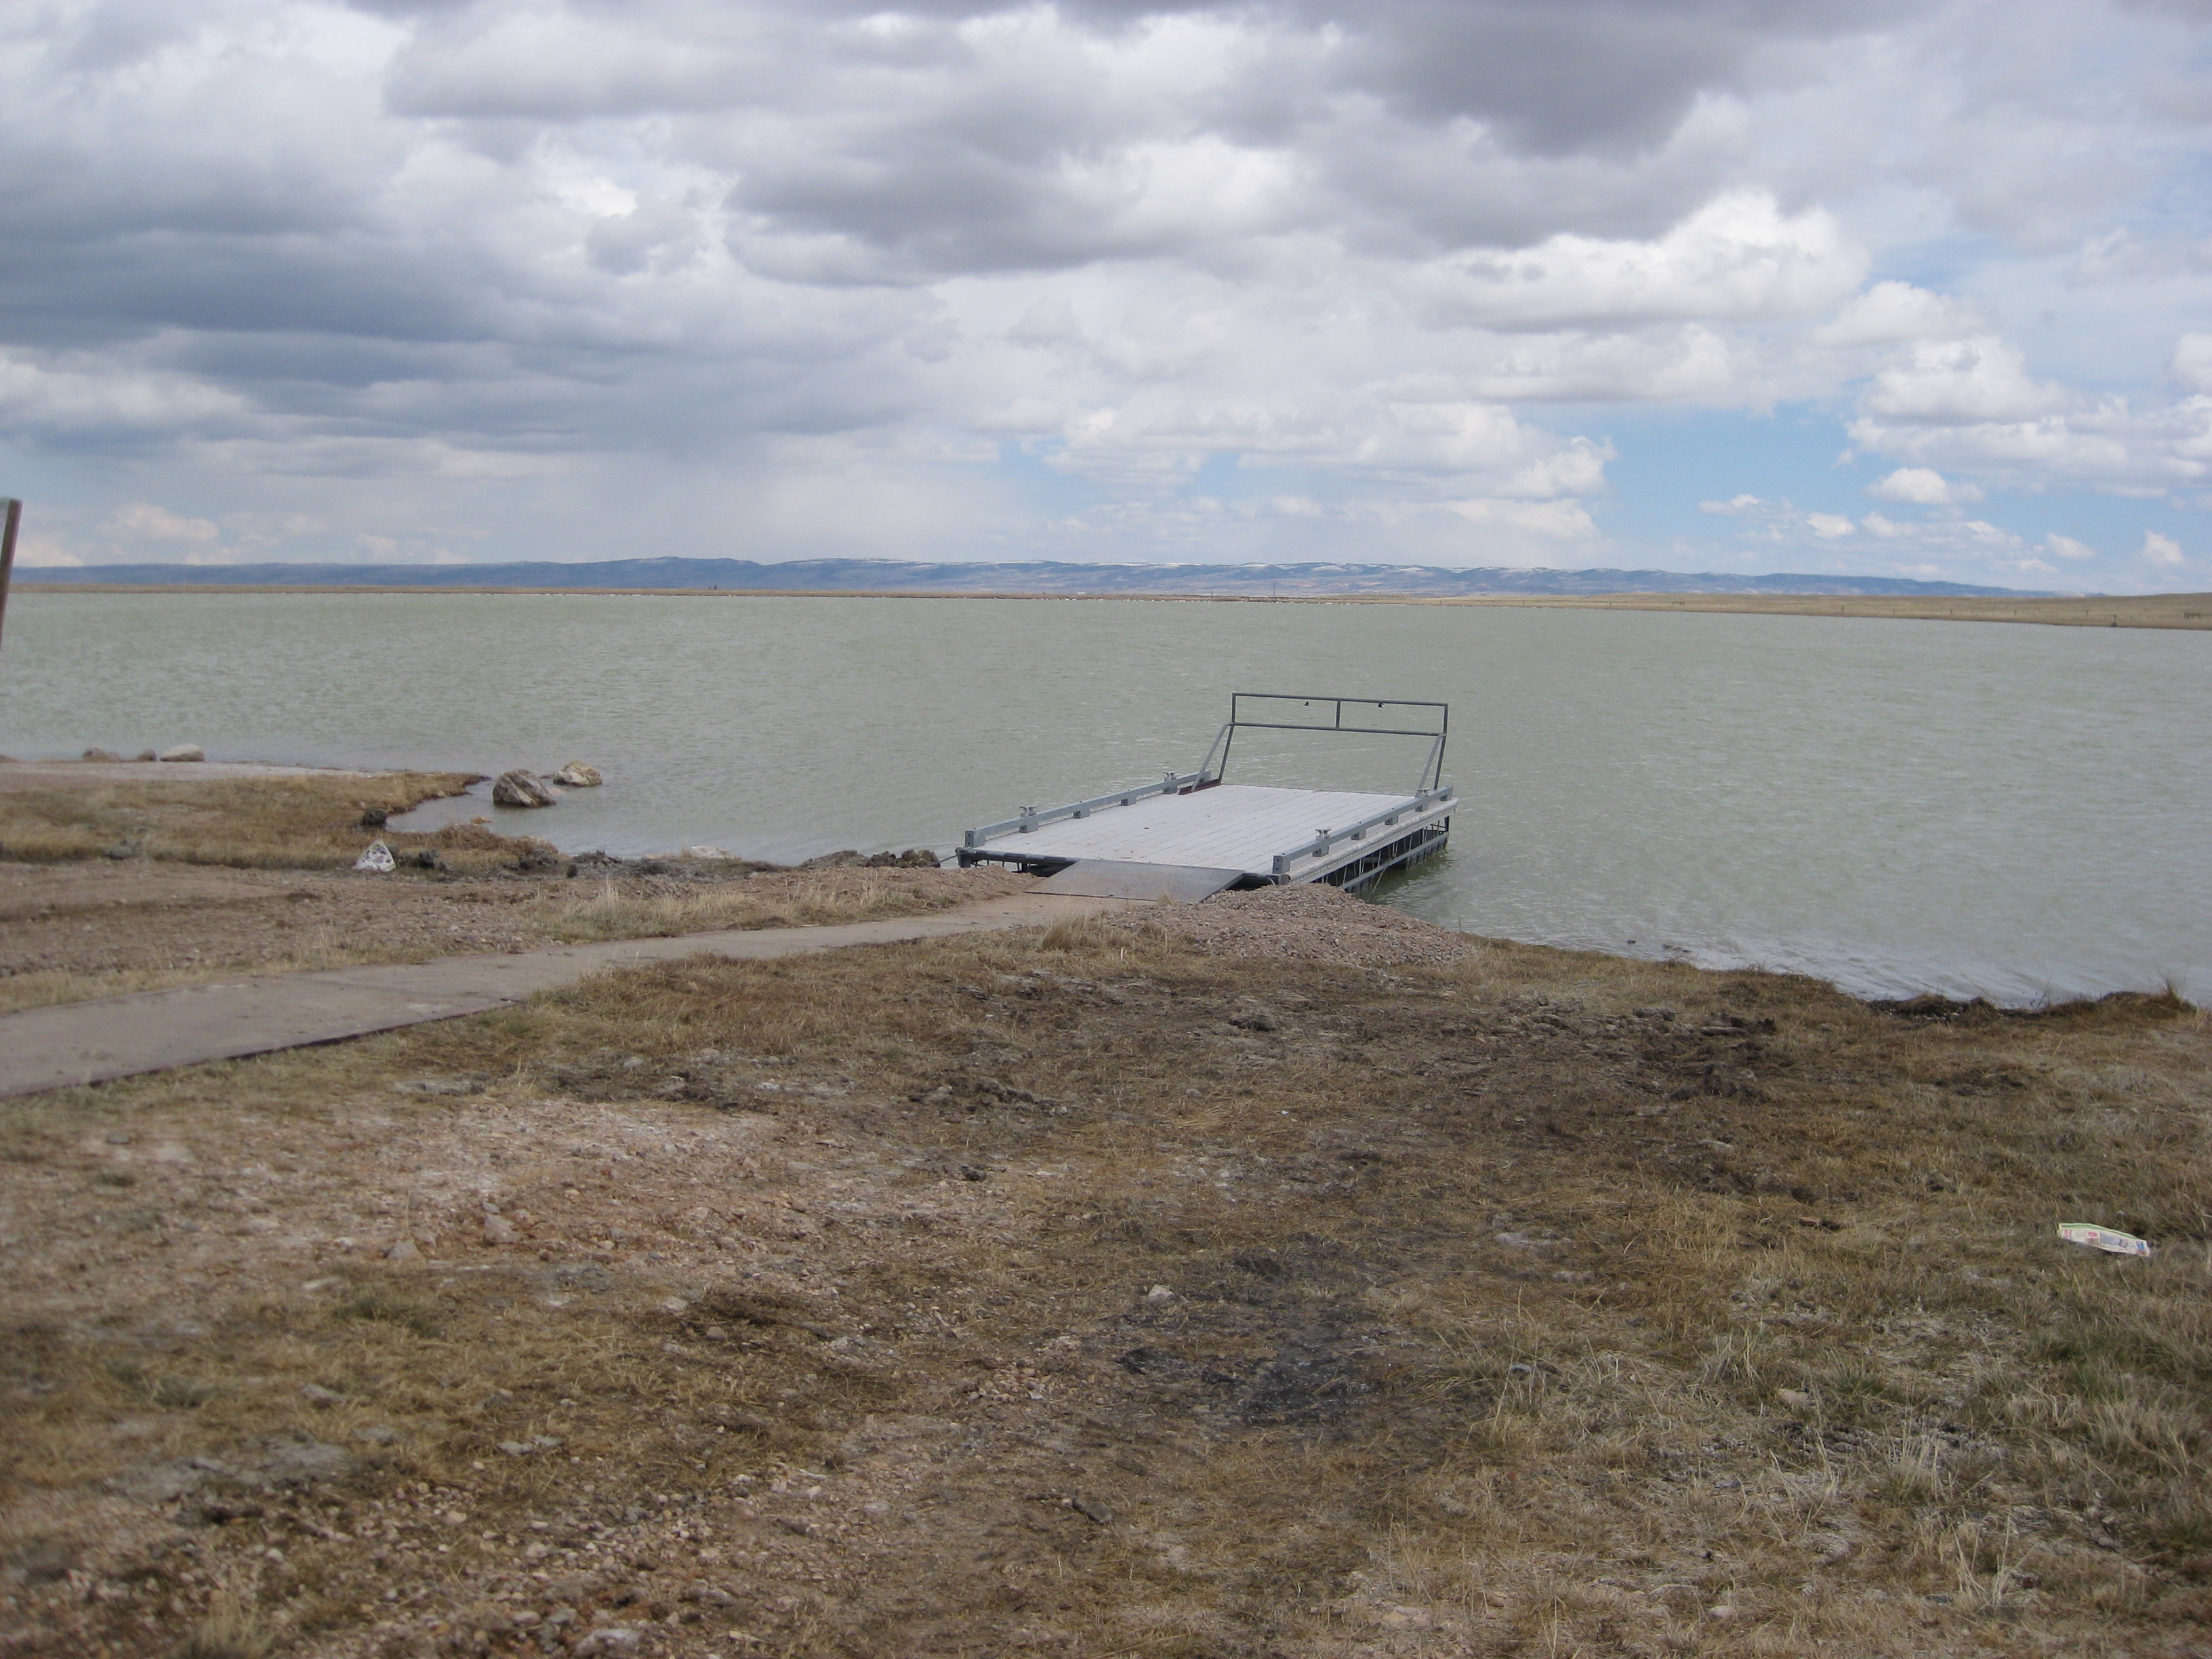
[2020, 811]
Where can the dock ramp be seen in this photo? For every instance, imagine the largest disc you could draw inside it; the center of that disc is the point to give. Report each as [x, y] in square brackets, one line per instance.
[1121, 879]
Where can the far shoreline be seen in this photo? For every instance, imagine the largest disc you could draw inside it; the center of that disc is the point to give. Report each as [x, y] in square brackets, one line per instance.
[2183, 611]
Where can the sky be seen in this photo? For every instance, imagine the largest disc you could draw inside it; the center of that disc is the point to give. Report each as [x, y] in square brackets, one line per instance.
[1846, 286]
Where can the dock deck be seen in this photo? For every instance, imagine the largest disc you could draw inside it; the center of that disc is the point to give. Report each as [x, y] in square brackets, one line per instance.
[1188, 836]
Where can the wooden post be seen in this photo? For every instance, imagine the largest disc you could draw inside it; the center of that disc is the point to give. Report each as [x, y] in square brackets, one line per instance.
[7, 553]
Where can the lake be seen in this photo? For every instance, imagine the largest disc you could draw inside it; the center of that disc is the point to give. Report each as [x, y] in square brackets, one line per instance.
[2016, 812]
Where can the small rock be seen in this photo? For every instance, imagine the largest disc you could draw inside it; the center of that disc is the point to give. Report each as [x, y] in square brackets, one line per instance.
[1720, 1613]
[1258, 1020]
[969, 1172]
[145, 754]
[375, 818]
[107, 755]
[316, 1395]
[43, 1562]
[1797, 1399]
[1091, 1509]
[1727, 1483]
[184, 752]
[612, 1638]
[519, 788]
[1159, 1295]
[577, 775]
[126, 848]
[401, 1249]
[379, 1434]
[498, 1229]
[377, 857]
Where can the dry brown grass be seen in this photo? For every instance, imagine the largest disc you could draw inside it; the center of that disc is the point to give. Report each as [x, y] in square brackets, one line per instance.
[552, 912]
[783, 898]
[293, 824]
[1506, 1315]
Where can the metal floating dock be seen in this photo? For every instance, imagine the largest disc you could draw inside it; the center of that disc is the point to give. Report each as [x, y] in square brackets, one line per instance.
[1191, 835]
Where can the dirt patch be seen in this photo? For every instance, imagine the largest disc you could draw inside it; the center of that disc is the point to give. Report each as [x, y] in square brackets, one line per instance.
[1083, 1292]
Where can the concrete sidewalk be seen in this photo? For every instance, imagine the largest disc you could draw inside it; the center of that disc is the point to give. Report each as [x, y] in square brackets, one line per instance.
[80, 1043]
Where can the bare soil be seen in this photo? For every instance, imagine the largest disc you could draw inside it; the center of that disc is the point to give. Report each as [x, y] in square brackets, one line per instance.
[1280, 1276]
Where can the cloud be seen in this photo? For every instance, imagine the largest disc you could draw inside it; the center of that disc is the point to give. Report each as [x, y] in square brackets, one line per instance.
[1922, 486]
[143, 522]
[2191, 364]
[2067, 547]
[476, 277]
[2162, 550]
[1891, 312]
[1739, 257]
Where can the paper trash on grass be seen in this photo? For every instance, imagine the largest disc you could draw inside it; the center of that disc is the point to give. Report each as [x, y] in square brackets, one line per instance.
[378, 857]
[2103, 1238]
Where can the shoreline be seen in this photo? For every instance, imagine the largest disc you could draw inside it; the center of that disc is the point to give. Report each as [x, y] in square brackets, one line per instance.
[465, 830]
[2174, 612]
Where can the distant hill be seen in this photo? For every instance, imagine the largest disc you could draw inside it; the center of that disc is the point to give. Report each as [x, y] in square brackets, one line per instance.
[1036, 576]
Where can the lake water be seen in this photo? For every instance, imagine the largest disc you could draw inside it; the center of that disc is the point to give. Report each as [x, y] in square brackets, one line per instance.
[2022, 813]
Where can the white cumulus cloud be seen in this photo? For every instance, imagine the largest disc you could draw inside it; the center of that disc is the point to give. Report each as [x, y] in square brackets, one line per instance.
[1922, 486]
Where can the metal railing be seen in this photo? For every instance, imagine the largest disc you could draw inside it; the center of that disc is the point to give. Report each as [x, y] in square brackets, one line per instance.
[1033, 817]
[1433, 769]
[1325, 840]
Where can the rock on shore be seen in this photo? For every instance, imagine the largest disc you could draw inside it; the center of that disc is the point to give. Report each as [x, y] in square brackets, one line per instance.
[520, 788]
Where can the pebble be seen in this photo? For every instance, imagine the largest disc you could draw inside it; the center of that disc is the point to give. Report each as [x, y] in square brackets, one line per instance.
[1159, 1295]
[316, 1395]
[401, 1249]
[498, 1229]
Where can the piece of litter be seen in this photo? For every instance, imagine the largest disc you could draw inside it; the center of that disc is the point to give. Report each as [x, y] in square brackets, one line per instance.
[378, 857]
[2103, 1238]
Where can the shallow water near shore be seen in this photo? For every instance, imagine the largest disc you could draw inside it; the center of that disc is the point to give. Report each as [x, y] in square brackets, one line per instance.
[2019, 812]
